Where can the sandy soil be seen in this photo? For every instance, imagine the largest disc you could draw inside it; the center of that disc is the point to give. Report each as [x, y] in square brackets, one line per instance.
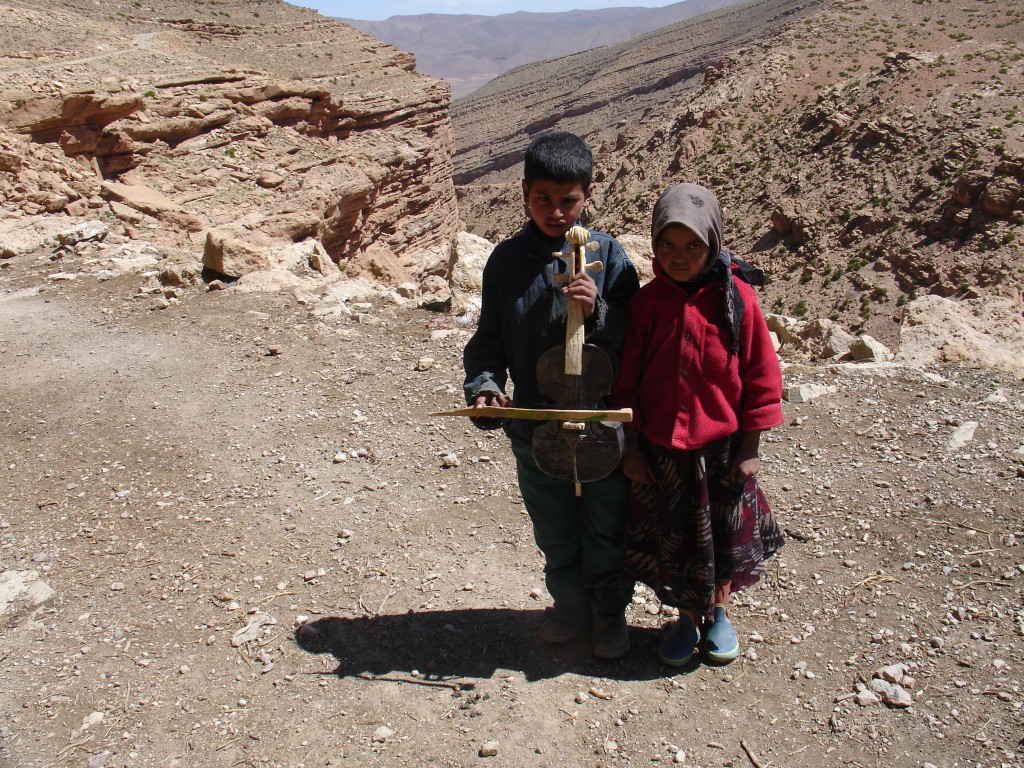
[176, 476]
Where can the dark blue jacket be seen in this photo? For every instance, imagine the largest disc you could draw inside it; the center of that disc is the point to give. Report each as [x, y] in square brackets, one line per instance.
[523, 314]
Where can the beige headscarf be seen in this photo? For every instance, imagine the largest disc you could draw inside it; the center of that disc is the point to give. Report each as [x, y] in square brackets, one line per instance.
[696, 208]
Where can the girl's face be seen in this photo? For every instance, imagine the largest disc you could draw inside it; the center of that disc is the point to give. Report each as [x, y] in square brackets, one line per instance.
[681, 254]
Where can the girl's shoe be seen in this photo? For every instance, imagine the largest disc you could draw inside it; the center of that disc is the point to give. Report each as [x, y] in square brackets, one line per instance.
[679, 642]
[720, 644]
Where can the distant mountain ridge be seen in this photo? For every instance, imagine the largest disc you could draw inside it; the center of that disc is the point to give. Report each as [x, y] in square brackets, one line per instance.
[468, 50]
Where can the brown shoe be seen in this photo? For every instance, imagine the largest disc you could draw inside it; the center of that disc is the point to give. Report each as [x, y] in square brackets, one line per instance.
[556, 629]
[610, 635]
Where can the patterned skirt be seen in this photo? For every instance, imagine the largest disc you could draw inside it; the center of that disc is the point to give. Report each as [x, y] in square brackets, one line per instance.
[692, 528]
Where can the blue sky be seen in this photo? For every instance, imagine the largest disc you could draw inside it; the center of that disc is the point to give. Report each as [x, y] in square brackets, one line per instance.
[382, 9]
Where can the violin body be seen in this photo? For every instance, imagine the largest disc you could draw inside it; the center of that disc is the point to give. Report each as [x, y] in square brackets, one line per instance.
[578, 451]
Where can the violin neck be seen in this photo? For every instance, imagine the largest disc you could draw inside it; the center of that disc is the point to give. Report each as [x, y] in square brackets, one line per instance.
[574, 321]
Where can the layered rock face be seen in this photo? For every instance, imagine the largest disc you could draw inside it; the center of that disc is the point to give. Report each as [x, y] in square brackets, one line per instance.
[259, 121]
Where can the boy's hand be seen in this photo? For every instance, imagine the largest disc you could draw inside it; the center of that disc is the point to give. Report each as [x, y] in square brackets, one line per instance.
[583, 288]
[491, 398]
[635, 465]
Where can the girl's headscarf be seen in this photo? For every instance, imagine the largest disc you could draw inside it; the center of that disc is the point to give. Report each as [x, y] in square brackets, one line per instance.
[696, 208]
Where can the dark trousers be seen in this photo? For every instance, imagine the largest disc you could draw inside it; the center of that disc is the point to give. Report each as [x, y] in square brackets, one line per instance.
[580, 536]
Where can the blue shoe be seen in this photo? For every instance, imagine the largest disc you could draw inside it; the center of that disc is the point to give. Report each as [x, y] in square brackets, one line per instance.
[720, 644]
[679, 642]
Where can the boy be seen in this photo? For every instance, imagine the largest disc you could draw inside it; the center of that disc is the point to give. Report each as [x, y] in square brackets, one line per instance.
[523, 314]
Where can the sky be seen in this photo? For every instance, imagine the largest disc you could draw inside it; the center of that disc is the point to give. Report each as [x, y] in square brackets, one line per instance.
[382, 9]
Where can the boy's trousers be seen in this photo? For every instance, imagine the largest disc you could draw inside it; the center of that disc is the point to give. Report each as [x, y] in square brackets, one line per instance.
[581, 537]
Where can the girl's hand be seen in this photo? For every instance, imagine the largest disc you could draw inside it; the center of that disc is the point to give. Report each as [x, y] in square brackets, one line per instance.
[583, 289]
[746, 463]
[743, 470]
[636, 467]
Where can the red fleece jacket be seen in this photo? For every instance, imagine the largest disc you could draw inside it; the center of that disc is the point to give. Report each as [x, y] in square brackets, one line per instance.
[685, 387]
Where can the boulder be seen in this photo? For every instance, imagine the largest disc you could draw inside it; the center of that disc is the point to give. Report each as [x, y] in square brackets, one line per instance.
[1000, 197]
[869, 349]
[987, 333]
[469, 253]
[378, 263]
[638, 249]
[231, 257]
[836, 343]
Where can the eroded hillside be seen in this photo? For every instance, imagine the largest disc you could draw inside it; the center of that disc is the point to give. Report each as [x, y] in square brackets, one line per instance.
[865, 153]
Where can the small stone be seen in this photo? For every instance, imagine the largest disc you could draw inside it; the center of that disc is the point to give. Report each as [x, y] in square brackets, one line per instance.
[382, 734]
[489, 748]
[184, 669]
[880, 686]
[899, 697]
[867, 698]
[893, 673]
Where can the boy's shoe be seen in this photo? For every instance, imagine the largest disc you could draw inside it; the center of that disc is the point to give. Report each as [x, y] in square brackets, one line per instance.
[680, 642]
[558, 628]
[721, 644]
[610, 635]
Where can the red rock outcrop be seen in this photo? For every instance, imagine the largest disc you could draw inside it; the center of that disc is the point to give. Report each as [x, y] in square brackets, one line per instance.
[273, 129]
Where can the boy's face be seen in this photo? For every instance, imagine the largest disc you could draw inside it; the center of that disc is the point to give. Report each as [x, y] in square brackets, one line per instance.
[554, 206]
[681, 254]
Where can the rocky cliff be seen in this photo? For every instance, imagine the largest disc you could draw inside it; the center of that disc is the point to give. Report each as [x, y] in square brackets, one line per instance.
[251, 124]
[866, 154]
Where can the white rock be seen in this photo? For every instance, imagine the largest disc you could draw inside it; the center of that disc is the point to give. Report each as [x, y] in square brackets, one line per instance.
[870, 349]
[804, 393]
[962, 436]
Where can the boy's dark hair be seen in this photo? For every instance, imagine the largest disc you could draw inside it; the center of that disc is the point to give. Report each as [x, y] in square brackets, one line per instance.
[561, 157]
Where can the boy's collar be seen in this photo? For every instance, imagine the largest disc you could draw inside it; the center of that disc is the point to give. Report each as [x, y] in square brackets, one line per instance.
[543, 245]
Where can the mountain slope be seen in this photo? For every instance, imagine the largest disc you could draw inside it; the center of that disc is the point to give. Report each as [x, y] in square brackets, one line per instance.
[468, 50]
[865, 154]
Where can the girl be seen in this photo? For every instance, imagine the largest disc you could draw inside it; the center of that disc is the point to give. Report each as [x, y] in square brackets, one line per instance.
[699, 371]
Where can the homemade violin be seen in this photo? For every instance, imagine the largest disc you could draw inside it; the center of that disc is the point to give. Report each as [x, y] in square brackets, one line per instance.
[576, 375]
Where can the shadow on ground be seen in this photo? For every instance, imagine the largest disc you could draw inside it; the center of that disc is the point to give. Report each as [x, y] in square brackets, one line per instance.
[454, 645]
